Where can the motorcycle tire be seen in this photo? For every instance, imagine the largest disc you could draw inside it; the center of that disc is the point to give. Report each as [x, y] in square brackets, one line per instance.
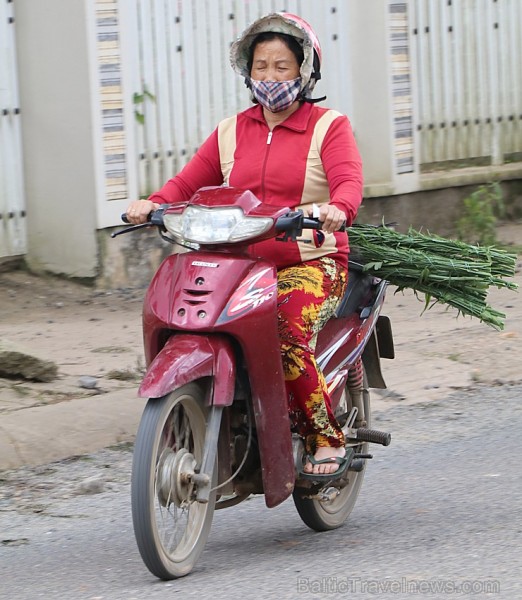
[324, 515]
[170, 527]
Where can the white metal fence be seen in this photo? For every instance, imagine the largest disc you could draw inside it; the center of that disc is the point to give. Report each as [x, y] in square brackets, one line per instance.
[466, 85]
[12, 211]
[185, 84]
[468, 81]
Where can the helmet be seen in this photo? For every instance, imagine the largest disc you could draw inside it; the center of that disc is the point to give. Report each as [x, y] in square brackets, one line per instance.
[281, 22]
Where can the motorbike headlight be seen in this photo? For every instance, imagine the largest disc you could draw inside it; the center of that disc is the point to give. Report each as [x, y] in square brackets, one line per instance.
[215, 225]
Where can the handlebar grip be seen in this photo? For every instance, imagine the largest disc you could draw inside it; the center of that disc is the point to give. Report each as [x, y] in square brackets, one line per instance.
[125, 219]
[314, 223]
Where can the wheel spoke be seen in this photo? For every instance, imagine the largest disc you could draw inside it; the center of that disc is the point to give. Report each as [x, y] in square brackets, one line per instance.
[186, 432]
[172, 528]
[175, 428]
[172, 541]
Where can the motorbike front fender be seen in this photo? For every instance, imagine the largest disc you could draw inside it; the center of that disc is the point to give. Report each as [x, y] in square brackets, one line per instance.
[187, 357]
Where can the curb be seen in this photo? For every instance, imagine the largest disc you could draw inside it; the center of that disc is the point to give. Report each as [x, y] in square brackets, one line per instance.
[43, 434]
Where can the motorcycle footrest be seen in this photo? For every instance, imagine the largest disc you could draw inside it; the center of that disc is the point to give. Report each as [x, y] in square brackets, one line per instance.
[374, 436]
[358, 462]
[357, 465]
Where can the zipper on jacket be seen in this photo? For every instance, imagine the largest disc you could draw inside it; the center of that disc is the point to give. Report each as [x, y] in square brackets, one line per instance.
[268, 142]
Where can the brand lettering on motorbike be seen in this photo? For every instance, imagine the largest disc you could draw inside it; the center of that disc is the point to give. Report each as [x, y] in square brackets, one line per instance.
[200, 263]
[253, 292]
[251, 300]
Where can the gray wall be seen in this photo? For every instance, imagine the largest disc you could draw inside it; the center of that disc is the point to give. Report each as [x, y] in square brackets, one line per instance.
[57, 136]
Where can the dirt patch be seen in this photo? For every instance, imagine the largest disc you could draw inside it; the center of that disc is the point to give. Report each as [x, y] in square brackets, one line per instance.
[84, 331]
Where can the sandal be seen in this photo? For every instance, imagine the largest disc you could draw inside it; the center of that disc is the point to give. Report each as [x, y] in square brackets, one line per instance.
[342, 461]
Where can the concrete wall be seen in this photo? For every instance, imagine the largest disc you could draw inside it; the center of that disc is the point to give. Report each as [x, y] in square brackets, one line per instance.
[371, 89]
[57, 136]
[436, 211]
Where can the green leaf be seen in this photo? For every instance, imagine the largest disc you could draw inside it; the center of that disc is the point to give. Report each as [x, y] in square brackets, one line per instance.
[373, 265]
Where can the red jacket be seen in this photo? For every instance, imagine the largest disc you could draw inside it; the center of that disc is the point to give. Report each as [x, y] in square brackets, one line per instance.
[309, 158]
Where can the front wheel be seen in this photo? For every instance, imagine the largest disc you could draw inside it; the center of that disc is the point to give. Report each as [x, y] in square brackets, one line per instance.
[334, 508]
[171, 528]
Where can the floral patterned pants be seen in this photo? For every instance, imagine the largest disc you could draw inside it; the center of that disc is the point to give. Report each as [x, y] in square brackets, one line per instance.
[307, 296]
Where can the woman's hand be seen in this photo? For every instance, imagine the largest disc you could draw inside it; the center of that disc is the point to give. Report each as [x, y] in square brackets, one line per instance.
[139, 210]
[331, 217]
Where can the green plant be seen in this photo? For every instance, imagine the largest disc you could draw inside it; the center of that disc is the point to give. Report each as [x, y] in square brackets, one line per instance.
[447, 271]
[139, 103]
[482, 209]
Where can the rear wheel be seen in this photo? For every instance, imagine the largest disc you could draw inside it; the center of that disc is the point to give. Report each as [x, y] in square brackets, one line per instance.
[171, 528]
[334, 508]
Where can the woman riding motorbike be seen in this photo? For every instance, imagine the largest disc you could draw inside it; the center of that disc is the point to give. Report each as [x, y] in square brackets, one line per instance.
[288, 152]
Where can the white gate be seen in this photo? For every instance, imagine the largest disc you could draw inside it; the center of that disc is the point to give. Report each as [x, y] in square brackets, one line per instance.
[183, 84]
[455, 86]
[12, 202]
[469, 81]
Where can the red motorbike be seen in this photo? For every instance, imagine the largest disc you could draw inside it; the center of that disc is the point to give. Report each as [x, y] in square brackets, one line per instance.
[216, 427]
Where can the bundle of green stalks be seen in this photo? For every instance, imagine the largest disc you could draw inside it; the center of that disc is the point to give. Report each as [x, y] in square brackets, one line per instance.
[445, 271]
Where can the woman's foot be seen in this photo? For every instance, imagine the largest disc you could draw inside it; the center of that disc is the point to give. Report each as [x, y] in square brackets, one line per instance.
[322, 453]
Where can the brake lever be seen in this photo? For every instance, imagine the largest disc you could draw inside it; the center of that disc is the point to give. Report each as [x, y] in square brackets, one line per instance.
[129, 229]
[154, 219]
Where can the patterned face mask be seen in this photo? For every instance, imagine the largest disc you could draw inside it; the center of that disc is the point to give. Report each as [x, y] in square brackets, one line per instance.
[276, 95]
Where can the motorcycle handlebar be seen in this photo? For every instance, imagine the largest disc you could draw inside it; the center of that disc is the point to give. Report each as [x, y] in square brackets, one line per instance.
[313, 223]
[155, 217]
[292, 223]
[296, 221]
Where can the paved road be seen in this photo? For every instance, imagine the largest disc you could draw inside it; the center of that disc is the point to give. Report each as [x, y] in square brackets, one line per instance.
[441, 506]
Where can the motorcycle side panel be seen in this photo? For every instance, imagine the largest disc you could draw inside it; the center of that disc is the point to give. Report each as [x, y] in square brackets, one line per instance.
[343, 340]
